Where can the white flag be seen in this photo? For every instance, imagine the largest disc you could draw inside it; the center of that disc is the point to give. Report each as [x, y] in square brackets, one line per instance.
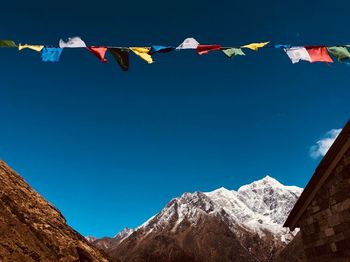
[297, 53]
[188, 43]
[72, 42]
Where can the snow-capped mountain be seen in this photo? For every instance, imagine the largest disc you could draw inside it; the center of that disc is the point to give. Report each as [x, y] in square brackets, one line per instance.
[124, 234]
[90, 238]
[247, 223]
[260, 206]
[107, 242]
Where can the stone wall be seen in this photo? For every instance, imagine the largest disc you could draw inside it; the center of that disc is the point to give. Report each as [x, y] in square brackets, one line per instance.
[325, 225]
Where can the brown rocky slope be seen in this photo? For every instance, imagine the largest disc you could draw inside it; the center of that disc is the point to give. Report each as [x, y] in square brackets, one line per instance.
[293, 252]
[209, 241]
[32, 229]
[222, 225]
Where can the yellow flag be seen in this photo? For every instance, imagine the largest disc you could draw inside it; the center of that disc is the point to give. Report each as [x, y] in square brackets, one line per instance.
[37, 48]
[143, 53]
[256, 46]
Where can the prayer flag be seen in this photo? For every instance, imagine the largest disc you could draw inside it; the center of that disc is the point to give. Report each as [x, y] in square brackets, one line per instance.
[7, 43]
[51, 54]
[160, 49]
[121, 55]
[319, 54]
[282, 46]
[256, 46]
[143, 52]
[340, 52]
[297, 53]
[99, 52]
[231, 52]
[37, 48]
[72, 42]
[205, 49]
[188, 43]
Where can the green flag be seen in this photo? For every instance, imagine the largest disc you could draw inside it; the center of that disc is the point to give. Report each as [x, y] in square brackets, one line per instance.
[231, 52]
[340, 52]
[7, 43]
[121, 55]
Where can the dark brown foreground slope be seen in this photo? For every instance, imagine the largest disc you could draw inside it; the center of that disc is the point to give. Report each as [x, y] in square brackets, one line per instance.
[31, 229]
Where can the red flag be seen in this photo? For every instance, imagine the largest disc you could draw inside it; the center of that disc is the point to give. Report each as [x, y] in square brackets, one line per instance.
[99, 51]
[205, 49]
[319, 54]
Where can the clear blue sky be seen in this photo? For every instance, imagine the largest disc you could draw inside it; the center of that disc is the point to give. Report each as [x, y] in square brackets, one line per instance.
[110, 149]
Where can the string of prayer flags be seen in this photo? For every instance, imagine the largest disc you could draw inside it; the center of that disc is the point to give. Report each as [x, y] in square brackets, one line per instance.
[188, 43]
[7, 43]
[319, 54]
[37, 48]
[121, 55]
[99, 52]
[311, 54]
[160, 49]
[73, 42]
[341, 53]
[51, 54]
[205, 49]
[232, 52]
[256, 46]
[143, 52]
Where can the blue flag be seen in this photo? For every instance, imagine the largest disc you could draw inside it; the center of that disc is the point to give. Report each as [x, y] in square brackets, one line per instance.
[160, 49]
[282, 46]
[51, 54]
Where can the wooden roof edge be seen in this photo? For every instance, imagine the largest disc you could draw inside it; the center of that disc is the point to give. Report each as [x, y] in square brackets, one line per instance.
[322, 172]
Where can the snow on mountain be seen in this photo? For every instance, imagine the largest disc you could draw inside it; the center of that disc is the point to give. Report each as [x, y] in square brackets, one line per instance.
[269, 198]
[242, 225]
[176, 210]
[260, 207]
[125, 233]
[107, 242]
[90, 238]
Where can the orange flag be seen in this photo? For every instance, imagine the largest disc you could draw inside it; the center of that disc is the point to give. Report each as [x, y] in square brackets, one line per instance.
[205, 49]
[99, 51]
[319, 54]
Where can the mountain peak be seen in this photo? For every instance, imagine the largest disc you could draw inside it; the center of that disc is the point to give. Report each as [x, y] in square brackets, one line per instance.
[262, 205]
[267, 182]
[253, 214]
[125, 233]
[221, 190]
[270, 180]
[90, 238]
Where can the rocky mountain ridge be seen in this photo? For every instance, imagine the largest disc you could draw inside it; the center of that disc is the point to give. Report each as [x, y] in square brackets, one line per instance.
[32, 229]
[245, 224]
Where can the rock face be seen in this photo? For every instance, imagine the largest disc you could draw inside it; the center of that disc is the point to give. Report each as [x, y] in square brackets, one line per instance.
[106, 243]
[293, 252]
[222, 225]
[31, 229]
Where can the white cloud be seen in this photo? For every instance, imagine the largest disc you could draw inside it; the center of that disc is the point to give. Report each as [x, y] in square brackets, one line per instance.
[321, 147]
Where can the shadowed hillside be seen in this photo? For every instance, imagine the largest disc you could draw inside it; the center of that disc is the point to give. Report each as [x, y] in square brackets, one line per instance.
[32, 229]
